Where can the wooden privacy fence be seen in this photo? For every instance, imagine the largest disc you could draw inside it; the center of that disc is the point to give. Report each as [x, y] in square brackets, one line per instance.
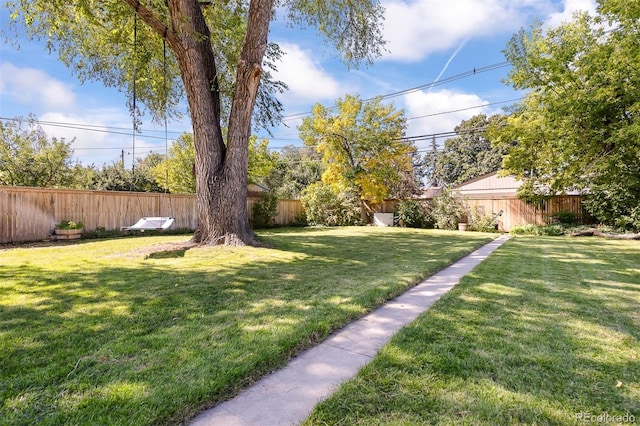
[30, 214]
[287, 210]
[515, 212]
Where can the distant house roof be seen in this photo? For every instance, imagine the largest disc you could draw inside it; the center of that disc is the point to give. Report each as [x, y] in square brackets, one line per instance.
[431, 192]
[255, 190]
[489, 184]
[493, 185]
[258, 188]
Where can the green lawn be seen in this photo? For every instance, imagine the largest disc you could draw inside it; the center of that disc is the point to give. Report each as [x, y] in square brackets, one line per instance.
[545, 331]
[102, 332]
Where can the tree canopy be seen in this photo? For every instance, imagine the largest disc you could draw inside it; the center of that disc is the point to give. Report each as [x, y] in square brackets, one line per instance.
[579, 126]
[220, 60]
[362, 146]
[176, 172]
[295, 169]
[466, 156]
[29, 158]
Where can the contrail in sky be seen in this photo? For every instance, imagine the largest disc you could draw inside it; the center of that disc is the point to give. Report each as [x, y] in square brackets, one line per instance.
[451, 58]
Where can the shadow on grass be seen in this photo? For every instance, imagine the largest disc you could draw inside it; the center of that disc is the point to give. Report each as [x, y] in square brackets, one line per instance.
[167, 254]
[526, 338]
[153, 341]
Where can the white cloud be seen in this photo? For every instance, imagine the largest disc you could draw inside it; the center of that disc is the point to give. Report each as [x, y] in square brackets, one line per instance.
[417, 28]
[33, 86]
[306, 79]
[86, 132]
[97, 136]
[570, 7]
[428, 106]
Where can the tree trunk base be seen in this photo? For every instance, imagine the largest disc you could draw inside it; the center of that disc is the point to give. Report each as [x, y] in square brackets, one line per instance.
[596, 233]
[229, 239]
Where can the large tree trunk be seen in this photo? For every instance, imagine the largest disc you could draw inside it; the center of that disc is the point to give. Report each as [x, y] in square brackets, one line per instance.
[221, 170]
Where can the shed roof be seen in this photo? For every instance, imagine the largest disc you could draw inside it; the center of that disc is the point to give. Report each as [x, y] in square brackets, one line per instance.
[490, 184]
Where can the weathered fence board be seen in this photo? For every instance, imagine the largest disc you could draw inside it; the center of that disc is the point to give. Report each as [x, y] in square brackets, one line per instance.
[30, 214]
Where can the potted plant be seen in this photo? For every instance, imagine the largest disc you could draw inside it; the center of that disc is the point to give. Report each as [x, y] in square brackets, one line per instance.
[463, 220]
[68, 230]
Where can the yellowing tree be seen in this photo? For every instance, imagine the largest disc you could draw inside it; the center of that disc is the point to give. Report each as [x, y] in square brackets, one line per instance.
[362, 146]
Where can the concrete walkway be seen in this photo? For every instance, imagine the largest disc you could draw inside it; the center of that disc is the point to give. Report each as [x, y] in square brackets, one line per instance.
[287, 396]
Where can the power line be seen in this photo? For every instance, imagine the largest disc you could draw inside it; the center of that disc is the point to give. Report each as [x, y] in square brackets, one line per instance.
[127, 132]
[465, 74]
[93, 128]
[465, 109]
[441, 113]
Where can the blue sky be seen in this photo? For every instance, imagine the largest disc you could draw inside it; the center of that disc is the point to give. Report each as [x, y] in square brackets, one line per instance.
[428, 41]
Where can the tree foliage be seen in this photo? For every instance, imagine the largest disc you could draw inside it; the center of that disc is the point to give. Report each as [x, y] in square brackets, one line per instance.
[362, 146]
[176, 173]
[467, 156]
[295, 169]
[327, 206]
[579, 127]
[112, 177]
[414, 214]
[220, 56]
[448, 210]
[264, 211]
[144, 178]
[29, 158]
[261, 161]
[115, 177]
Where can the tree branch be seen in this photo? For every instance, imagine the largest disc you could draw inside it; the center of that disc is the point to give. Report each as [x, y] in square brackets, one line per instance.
[150, 18]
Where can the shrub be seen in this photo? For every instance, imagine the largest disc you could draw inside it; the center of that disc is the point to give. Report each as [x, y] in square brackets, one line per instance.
[324, 206]
[615, 203]
[69, 224]
[549, 230]
[630, 221]
[101, 232]
[448, 210]
[300, 219]
[565, 217]
[481, 221]
[264, 211]
[413, 214]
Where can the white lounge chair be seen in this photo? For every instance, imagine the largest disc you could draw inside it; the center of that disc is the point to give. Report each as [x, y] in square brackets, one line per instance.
[151, 224]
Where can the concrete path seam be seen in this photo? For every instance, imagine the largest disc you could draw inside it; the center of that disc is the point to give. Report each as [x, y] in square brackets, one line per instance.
[287, 396]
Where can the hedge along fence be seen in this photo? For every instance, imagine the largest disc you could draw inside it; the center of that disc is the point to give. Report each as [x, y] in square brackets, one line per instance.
[30, 214]
[515, 212]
